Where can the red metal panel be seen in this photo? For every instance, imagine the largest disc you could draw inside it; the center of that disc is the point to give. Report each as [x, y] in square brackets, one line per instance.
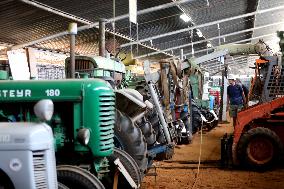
[255, 112]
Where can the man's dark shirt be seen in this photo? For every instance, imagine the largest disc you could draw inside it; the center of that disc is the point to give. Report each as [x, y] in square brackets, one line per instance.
[235, 93]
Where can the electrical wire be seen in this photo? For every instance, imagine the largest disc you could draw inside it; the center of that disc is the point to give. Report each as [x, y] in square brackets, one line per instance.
[199, 158]
[200, 148]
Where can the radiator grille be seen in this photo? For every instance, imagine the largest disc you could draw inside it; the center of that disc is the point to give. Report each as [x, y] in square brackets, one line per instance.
[81, 65]
[84, 66]
[107, 120]
[40, 169]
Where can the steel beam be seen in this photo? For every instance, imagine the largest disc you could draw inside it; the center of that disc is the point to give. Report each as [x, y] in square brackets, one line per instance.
[216, 62]
[240, 41]
[92, 24]
[55, 11]
[121, 17]
[210, 56]
[205, 25]
[152, 9]
[88, 25]
[234, 64]
[212, 38]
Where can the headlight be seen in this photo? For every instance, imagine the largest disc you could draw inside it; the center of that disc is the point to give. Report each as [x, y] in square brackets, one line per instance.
[83, 136]
[44, 109]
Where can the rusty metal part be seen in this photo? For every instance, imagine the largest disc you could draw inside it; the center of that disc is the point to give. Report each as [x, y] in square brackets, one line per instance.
[260, 150]
[102, 37]
[173, 71]
[164, 82]
[115, 179]
[245, 117]
[256, 84]
[72, 55]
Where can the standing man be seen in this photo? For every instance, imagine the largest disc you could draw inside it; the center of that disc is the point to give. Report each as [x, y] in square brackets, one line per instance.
[245, 89]
[236, 98]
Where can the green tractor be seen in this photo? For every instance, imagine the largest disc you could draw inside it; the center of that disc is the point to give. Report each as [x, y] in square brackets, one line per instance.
[83, 127]
[111, 70]
[131, 126]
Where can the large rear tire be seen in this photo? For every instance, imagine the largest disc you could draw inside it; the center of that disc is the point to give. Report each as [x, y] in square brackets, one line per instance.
[129, 138]
[129, 164]
[74, 177]
[259, 148]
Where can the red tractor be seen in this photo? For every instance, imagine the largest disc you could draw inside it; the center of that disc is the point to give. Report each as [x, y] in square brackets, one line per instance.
[258, 138]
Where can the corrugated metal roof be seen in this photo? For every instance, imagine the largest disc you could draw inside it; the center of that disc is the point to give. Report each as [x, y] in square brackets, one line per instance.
[268, 18]
[22, 23]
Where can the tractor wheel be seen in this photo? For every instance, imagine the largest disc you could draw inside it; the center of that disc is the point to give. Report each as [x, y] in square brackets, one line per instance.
[187, 139]
[153, 118]
[129, 138]
[129, 164]
[62, 186]
[74, 177]
[196, 118]
[179, 139]
[5, 182]
[196, 122]
[147, 131]
[259, 148]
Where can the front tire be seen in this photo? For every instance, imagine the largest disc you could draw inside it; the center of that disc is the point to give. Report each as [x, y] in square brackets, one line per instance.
[259, 148]
[74, 177]
[129, 164]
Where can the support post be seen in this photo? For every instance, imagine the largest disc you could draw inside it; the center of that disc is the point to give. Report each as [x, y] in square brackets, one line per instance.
[223, 93]
[72, 31]
[181, 54]
[102, 37]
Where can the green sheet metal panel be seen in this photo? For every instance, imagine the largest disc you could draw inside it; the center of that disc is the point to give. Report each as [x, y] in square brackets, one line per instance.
[194, 81]
[97, 105]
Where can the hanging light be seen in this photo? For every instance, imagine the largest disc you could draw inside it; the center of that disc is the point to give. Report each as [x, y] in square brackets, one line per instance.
[199, 33]
[185, 17]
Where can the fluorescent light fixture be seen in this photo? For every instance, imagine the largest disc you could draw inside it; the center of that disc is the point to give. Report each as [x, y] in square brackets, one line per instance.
[199, 33]
[185, 17]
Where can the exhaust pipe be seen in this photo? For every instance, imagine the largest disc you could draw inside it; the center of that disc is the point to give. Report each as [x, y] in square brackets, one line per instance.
[102, 37]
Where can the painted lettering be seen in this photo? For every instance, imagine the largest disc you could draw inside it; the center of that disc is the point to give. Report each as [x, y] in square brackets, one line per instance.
[52, 92]
[12, 93]
[20, 93]
[5, 93]
[28, 93]
[4, 138]
[15, 93]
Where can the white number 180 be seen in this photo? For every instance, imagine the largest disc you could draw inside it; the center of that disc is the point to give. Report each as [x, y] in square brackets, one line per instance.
[52, 92]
